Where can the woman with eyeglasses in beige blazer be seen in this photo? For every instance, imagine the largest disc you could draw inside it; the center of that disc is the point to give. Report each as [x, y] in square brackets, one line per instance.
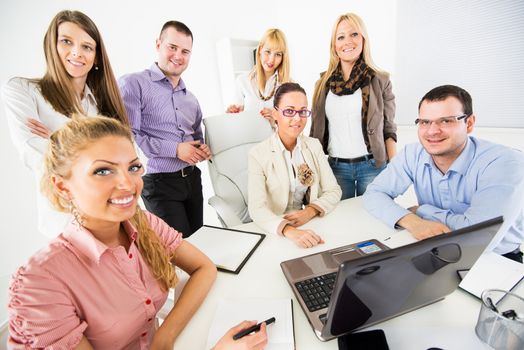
[289, 178]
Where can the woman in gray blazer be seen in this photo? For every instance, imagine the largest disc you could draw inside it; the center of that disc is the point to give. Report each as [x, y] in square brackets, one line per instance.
[354, 109]
[289, 179]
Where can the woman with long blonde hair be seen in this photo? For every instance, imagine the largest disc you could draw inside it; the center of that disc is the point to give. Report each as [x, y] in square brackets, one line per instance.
[354, 109]
[255, 90]
[100, 283]
[79, 79]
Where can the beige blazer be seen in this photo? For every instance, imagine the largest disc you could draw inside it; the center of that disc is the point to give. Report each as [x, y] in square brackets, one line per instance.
[268, 182]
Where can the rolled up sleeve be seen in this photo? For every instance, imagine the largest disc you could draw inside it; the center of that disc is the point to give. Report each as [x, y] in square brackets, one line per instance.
[42, 313]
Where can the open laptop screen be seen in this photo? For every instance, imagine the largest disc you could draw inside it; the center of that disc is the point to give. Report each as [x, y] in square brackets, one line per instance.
[386, 284]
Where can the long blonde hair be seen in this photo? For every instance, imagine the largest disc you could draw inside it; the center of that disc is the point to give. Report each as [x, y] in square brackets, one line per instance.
[63, 149]
[334, 60]
[56, 85]
[275, 38]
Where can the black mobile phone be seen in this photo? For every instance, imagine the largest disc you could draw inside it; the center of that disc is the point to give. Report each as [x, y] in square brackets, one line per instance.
[368, 340]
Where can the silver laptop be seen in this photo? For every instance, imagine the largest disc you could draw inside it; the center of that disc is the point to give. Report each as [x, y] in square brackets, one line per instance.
[356, 286]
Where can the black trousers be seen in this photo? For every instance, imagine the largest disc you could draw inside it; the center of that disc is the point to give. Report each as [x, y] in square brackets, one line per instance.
[176, 198]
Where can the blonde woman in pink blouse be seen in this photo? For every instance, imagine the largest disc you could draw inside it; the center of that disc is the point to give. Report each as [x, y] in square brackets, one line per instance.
[100, 283]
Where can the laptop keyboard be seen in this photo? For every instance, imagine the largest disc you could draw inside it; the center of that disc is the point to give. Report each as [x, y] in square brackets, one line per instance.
[316, 292]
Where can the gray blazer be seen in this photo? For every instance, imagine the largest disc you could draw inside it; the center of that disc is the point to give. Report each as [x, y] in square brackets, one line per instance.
[380, 118]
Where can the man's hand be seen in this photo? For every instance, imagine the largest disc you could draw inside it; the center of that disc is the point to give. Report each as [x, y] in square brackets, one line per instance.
[300, 217]
[38, 128]
[420, 228]
[302, 238]
[193, 152]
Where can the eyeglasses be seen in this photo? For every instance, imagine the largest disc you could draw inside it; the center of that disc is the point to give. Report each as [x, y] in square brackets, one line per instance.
[290, 113]
[445, 122]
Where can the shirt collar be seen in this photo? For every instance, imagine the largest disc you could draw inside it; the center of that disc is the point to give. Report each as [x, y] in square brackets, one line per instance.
[88, 95]
[87, 244]
[158, 75]
[298, 146]
[463, 161]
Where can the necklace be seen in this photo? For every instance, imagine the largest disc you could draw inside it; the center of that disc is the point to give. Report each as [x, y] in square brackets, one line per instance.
[266, 98]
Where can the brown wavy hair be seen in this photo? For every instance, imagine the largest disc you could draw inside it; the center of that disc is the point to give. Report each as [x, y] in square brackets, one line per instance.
[56, 85]
[63, 149]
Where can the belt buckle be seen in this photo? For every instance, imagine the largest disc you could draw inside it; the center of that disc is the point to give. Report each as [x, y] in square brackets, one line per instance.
[184, 173]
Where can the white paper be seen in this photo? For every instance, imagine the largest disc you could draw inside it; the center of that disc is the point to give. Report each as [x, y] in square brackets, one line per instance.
[492, 271]
[399, 239]
[231, 312]
[226, 248]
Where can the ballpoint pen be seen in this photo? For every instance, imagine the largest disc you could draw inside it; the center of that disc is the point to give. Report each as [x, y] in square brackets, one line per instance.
[252, 329]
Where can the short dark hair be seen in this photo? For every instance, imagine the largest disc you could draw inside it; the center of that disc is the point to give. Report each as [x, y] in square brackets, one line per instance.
[440, 93]
[178, 26]
[284, 89]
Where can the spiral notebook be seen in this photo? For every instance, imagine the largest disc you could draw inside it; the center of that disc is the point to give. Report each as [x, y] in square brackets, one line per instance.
[229, 249]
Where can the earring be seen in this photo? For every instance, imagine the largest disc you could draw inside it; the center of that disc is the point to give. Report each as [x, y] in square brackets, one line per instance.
[76, 214]
[96, 67]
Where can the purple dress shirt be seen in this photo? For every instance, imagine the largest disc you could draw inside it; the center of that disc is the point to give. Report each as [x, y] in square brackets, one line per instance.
[160, 116]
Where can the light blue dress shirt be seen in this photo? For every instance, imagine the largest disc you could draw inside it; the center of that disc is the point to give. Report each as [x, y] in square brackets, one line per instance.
[485, 181]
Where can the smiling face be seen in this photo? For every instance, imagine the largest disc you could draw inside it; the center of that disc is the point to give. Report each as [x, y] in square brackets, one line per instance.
[289, 128]
[174, 52]
[348, 43]
[105, 182]
[445, 142]
[76, 49]
[270, 58]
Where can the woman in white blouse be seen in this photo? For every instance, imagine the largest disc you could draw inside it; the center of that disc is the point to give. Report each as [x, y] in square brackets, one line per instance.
[289, 178]
[354, 109]
[255, 90]
[79, 79]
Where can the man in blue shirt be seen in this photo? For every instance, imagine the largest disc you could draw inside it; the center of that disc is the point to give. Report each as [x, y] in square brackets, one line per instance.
[459, 180]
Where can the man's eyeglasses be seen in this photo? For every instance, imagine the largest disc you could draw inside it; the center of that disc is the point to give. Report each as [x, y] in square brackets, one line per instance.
[290, 113]
[444, 122]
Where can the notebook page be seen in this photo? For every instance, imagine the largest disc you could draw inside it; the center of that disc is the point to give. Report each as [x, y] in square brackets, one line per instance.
[492, 271]
[226, 248]
[231, 312]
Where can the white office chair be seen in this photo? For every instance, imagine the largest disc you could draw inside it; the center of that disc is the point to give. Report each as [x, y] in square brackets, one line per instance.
[230, 137]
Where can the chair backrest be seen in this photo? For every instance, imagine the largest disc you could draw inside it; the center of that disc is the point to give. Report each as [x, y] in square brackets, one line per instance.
[230, 137]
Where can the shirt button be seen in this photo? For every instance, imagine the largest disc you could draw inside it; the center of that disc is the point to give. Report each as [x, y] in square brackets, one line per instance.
[130, 255]
[148, 301]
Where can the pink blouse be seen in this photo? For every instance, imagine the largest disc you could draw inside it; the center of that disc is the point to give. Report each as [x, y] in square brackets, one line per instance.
[78, 286]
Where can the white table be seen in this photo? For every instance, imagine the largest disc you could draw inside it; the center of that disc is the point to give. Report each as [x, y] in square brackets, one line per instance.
[447, 324]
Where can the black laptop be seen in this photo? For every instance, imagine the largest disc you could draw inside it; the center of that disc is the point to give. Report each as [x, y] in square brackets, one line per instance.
[375, 283]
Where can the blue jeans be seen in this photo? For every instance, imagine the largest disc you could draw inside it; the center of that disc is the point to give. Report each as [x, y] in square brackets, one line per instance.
[354, 178]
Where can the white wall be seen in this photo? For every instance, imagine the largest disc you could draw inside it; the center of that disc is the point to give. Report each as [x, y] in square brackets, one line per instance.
[129, 29]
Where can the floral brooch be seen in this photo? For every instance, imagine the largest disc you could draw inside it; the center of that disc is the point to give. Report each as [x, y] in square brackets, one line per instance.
[305, 175]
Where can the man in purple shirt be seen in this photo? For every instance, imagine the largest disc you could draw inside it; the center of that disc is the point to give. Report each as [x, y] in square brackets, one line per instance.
[166, 121]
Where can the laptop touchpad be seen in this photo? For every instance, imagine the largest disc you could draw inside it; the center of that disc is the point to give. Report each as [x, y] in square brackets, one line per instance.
[312, 265]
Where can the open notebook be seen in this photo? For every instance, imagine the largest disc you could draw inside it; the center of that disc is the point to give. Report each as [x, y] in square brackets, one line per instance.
[231, 312]
[492, 271]
[229, 249]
